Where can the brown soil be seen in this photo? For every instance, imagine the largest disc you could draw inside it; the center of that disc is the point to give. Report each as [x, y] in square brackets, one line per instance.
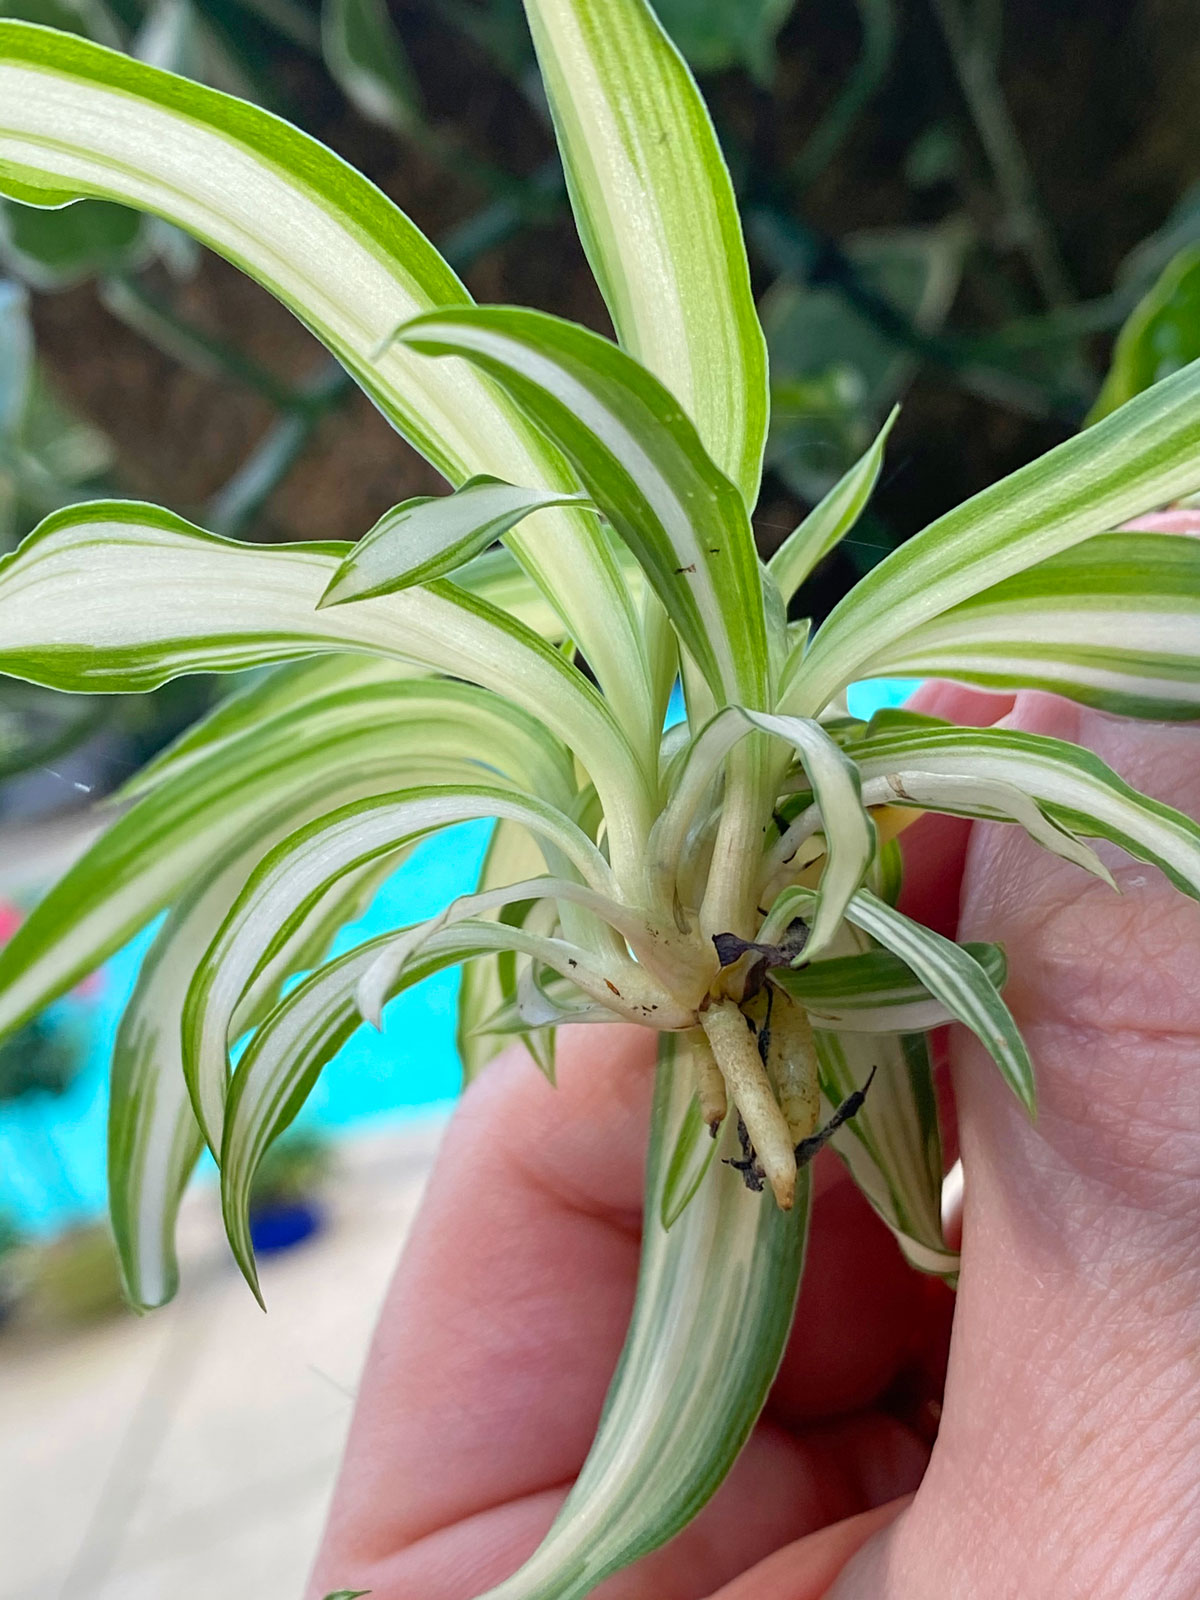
[1103, 93]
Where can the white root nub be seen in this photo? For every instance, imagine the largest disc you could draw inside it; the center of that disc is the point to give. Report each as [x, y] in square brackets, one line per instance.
[792, 1059]
[736, 1050]
[710, 1085]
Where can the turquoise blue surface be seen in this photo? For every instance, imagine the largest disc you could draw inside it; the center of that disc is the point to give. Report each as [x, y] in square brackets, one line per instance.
[52, 1151]
[864, 699]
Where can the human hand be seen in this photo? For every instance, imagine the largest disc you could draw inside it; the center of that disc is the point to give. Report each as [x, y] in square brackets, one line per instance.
[1068, 1461]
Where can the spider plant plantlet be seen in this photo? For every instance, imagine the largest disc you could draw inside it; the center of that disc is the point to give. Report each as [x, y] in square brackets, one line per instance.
[730, 883]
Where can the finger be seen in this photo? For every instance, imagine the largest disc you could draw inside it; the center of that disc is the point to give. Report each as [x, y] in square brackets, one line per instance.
[502, 1328]
[806, 1569]
[1073, 1397]
[503, 1322]
[958, 702]
[780, 1491]
[867, 1326]
[935, 848]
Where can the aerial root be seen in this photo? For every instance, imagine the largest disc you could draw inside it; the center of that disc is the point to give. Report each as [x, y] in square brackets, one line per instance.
[792, 1060]
[710, 1086]
[735, 1049]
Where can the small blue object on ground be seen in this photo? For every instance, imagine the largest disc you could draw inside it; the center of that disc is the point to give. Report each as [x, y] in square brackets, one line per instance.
[275, 1228]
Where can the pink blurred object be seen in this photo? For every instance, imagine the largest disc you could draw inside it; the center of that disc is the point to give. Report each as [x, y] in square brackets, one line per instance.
[1182, 520]
[11, 919]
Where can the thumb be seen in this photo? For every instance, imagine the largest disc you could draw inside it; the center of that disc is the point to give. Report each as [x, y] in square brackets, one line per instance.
[1069, 1453]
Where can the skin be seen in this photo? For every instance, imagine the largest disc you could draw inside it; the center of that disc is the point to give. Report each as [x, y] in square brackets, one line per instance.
[1068, 1458]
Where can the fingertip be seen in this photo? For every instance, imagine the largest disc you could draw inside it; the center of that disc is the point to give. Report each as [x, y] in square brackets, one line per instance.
[582, 1139]
[934, 849]
[863, 1319]
[934, 852]
[808, 1569]
[958, 702]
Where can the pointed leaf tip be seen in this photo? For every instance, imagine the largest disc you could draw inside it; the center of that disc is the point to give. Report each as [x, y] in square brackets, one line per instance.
[672, 267]
[432, 536]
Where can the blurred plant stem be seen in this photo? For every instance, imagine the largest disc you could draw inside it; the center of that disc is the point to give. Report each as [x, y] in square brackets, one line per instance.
[133, 302]
[877, 20]
[792, 247]
[973, 54]
[241, 497]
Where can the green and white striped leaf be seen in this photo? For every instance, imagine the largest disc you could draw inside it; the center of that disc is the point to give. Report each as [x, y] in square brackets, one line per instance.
[308, 944]
[695, 1142]
[947, 970]
[954, 977]
[261, 786]
[1074, 788]
[292, 878]
[543, 1001]
[687, 783]
[495, 577]
[987, 798]
[118, 595]
[284, 1058]
[875, 992]
[522, 999]
[849, 831]
[1114, 622]
[282, 1062]
[656, 212]
[642, 462]
[723, 1279]
[990, 799]
[607, 927]
[829, 521]
[490, 982]
[499, 578]
[690, 1160]
[257, 700]
[893, 1147]
[1140, 457]
[77, 120]
[153, 1139]
[432, 536]
[887, 878]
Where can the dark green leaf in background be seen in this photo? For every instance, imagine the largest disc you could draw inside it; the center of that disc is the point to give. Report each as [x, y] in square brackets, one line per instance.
[835, 369]
[56, 249]
[714, 34]
[364, 53]
[1162, 335]
[90, 19]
